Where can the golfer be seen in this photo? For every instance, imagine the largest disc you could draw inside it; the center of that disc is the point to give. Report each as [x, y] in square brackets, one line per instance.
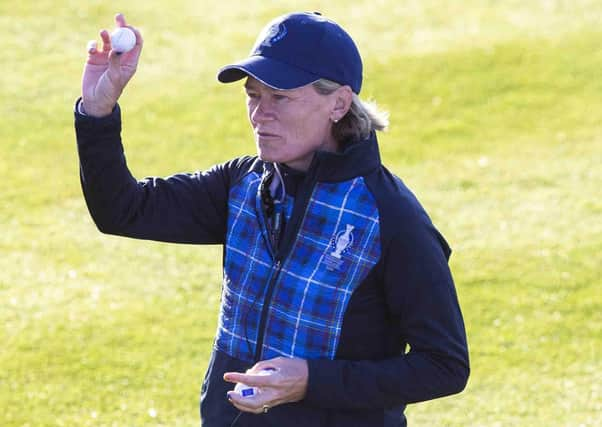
[336, 284]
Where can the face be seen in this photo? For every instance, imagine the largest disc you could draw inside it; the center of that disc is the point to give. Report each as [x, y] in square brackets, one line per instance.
[290, 125]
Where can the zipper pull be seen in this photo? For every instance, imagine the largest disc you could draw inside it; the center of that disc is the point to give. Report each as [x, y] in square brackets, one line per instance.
[276, 229]
[277, 217]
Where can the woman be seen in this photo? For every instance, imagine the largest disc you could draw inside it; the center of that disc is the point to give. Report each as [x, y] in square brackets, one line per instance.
[338, 307]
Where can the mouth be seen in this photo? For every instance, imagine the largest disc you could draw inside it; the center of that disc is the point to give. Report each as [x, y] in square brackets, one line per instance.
[265, 135]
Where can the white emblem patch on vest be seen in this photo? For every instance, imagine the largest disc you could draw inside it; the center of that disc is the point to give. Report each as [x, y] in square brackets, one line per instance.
[341, 242]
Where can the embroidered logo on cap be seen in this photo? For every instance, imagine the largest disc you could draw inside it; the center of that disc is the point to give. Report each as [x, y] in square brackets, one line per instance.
[272, 35]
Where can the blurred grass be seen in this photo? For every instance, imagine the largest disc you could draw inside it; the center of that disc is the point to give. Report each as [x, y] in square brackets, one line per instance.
[495, 109]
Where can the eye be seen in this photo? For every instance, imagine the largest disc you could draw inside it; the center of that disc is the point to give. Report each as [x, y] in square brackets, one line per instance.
[252, 95]
[279, 97]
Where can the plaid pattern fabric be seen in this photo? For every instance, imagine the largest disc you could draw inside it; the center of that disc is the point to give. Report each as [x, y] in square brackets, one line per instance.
[247, 268]
[337, 245]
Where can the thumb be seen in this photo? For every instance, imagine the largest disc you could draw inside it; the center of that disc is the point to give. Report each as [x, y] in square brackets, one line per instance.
[115, 74]
[114, 62]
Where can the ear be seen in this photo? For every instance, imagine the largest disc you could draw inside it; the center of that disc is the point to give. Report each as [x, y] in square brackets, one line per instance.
[343, 98]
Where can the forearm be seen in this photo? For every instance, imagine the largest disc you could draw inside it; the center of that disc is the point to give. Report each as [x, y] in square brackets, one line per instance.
[415, 377]
[185, 208]
[104, 174]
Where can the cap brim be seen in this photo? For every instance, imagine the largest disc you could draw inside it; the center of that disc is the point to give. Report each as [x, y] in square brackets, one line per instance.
[268, 71]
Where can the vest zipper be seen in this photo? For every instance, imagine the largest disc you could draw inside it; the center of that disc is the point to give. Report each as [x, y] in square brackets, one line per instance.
[264, 310]
[282, 252]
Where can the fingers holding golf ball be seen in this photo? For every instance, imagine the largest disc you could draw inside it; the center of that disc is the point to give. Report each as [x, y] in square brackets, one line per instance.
[124, 38]
[253, 395]
[245, 390]
[268, 384]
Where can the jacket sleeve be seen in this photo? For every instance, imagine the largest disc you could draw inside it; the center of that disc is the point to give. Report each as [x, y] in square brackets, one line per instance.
[421, 297]
[183, 208]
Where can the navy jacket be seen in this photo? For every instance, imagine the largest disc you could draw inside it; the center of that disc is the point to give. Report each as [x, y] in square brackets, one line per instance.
[352, 276]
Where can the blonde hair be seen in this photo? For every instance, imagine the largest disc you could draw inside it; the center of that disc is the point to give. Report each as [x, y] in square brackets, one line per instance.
[362, 118]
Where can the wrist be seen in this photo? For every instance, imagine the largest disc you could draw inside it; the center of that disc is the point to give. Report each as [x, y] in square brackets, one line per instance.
[88, 110]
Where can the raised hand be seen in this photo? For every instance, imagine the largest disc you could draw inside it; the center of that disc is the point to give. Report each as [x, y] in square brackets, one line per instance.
[107, 72]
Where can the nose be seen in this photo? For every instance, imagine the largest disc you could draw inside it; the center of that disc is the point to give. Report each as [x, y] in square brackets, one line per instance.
[260, 110]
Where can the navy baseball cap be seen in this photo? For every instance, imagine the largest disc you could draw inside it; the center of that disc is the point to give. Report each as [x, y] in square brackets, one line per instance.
[297, 49]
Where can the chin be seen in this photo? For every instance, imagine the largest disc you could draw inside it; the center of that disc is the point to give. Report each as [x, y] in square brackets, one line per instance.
[266, 156]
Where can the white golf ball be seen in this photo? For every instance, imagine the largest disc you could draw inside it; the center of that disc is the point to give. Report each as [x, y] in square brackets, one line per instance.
[245, 390]
[248, 391]
[123, 40]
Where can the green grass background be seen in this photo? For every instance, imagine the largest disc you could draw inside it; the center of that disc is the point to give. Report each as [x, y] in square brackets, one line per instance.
[496, 111]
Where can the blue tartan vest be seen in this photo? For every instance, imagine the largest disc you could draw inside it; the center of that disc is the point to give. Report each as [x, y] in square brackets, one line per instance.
[337, 244]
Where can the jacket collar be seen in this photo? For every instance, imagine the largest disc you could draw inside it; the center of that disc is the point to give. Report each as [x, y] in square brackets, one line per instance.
[357, 159]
